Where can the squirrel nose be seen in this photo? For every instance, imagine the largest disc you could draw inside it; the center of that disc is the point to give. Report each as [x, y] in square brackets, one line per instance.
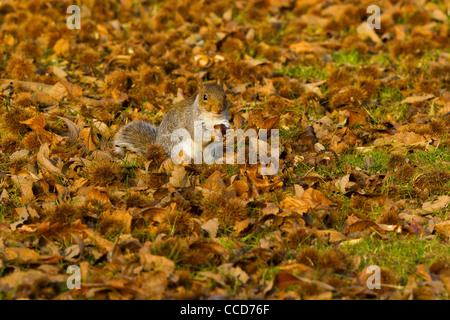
[218, 108]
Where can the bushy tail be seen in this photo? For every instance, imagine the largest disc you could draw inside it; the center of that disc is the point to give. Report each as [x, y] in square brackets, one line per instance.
[135, 136]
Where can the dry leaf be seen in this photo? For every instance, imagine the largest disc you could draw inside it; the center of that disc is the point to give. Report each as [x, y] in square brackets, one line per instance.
[311, 199]
[436, 205]
[443, 228]
[330, 235]
[416, 99]
[28, 284]
[43, 160]
[211, 226]
[179, 177]
[243, 226]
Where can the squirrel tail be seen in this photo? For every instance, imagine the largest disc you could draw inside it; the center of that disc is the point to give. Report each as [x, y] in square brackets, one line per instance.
[135, 136]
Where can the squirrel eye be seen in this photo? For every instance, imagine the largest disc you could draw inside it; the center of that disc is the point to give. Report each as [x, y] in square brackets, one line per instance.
[205, 97]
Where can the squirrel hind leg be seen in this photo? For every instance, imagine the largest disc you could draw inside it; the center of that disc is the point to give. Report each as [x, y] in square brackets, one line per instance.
[135, 137]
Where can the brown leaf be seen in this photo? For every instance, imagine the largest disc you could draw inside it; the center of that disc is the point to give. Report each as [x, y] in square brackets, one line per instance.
[21, 255]
[330, 236]
[218, 278]
[306, 47]
[211, 226]
[241, 188]
[416, 228]
[284, 280]
[368, 224]
[423, 272]
[443, 228]
[155, 214]
[416, 99]
[74, 131]
[155, 262]
[311, 199]
[179, 177]
[243, 226]
[263, 183]
[97, 195]
[367, 33]
[362, 225]
[61, 47]
[235, 273]
[402, 138]
[355, 117]
[214, 182]
[43, 160]
[25, 182]
[436, 205]
[342, 183]
[270, 211]
[74, 90]
[29, 284]
[103, 244]
[121, 219]
[62, 232]
[88, 138]
[151, 284]
[58, 91]
[37, 124]
[271, 123]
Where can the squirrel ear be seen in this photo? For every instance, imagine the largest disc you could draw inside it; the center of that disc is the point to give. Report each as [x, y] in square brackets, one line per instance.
[219, 82]
[200, 84]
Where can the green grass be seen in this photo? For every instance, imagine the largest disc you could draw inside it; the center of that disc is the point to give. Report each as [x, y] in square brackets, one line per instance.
[269, 274]
[379, 157]
[352, 57]
[434, 159]
[308, 72]
[5, 214]
[381, 59]
[389, 95]
[399, 255]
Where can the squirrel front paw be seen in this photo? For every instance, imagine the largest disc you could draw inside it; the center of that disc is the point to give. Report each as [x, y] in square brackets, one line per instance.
[221, 129]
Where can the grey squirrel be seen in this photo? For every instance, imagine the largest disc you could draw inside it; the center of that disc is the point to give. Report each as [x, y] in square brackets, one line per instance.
[209, 109]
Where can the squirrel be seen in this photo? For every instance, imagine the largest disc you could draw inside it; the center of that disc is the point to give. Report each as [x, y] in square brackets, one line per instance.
[208, 109]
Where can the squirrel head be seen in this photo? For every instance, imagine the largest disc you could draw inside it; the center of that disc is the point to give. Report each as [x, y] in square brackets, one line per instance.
[212, 98]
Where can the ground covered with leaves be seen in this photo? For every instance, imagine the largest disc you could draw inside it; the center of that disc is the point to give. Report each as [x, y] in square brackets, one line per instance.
[364, 173]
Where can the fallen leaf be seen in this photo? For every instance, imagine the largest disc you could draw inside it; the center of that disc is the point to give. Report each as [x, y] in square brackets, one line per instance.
[211, 226]
[29, 284]
[244, 226]
[436, 205]
[155, 262]
[443, 228]
[43, 160]
[416, 99]
[236, 273]
[330, 236]
[21, 255]
[241, 188]
[311, 199]
[179, 178]
[214, 182]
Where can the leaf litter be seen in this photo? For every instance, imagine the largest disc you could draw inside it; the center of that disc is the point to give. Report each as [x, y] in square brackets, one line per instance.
[364, 151]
